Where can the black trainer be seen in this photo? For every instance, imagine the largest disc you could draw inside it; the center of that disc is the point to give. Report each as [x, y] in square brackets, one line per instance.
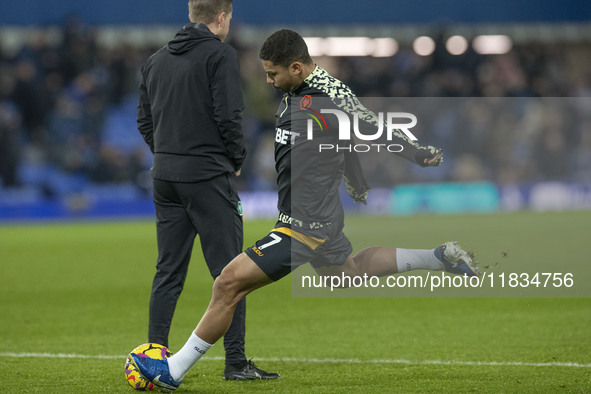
[248, 372]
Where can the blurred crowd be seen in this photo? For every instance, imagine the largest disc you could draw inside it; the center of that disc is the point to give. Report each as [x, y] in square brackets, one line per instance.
[67, 113]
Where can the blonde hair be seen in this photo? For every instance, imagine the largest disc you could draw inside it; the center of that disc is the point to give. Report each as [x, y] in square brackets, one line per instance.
[205, 11]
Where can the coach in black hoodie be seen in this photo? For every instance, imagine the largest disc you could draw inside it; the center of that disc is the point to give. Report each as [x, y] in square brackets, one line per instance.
[190, 115]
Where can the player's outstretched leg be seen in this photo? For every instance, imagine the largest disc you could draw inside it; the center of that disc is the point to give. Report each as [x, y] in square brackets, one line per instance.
[382, 261]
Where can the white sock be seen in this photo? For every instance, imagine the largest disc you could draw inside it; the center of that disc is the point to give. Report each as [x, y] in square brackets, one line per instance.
[180, 363]
[417, 259]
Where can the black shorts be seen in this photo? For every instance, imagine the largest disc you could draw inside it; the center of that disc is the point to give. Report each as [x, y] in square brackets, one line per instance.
[284, 249]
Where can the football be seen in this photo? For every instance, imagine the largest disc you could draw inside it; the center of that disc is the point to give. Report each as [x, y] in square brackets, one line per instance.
[132, 376]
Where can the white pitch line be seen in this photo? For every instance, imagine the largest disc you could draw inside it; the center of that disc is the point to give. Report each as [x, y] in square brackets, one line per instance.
[328, 360]
[59, 355]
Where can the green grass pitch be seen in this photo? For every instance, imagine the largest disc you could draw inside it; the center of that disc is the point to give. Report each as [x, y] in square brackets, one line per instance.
[74, 300]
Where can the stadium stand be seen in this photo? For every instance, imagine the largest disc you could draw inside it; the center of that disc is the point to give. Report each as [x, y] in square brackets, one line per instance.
[68, 102]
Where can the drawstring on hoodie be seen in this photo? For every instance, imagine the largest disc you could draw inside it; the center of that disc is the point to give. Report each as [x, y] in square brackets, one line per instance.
[286, 104]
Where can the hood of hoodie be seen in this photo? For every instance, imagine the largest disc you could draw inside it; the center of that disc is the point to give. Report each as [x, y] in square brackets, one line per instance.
[189, 36]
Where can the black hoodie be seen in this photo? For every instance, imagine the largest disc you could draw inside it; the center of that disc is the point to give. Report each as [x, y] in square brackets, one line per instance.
[190, 107]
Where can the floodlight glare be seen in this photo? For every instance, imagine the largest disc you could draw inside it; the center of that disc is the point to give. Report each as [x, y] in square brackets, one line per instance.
[423, 46]
[348, 46]
[315, 45]
[492, 44]
[456, 45]
[385, 47]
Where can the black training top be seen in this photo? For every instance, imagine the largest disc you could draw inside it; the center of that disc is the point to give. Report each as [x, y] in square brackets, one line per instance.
[190, 107]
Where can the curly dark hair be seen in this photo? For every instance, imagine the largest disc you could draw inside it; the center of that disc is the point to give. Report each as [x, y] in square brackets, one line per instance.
[285, 47]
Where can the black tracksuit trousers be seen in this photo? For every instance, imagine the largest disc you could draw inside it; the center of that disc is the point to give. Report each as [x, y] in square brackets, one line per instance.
[211, 209]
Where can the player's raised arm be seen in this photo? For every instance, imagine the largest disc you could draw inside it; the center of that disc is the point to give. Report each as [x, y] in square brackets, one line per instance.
[424, 156]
